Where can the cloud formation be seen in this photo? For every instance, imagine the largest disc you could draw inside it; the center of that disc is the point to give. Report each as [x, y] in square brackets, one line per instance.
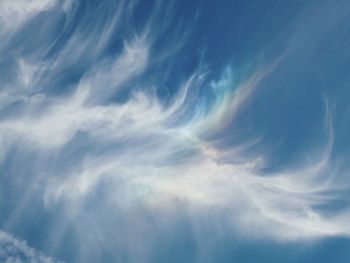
[14, 250]
[92, 132]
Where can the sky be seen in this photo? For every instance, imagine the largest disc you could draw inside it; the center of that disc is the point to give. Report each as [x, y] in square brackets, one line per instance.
[174, 131]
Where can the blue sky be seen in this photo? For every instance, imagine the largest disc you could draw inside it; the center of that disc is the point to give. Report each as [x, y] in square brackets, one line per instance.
[174, 131]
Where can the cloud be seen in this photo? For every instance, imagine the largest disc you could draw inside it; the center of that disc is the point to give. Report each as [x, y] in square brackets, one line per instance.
[281, 205]
[14, 13]
[86, 136]
[146, 143]
[13, 250]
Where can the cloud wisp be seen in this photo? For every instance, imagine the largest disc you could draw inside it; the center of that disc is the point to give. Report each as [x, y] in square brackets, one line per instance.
[87, 136]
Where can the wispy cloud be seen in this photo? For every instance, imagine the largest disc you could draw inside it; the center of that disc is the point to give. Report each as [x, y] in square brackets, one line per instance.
[14, 250]
[87, 136]
[14, 13]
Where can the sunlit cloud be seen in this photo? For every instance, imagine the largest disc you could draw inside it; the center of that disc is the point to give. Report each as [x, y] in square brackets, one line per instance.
[88, 136]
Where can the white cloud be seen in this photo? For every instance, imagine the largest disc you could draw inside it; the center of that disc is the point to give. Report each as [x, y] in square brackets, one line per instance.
[153, 160]
[14, 13]
[282, 206]
[13, 250]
